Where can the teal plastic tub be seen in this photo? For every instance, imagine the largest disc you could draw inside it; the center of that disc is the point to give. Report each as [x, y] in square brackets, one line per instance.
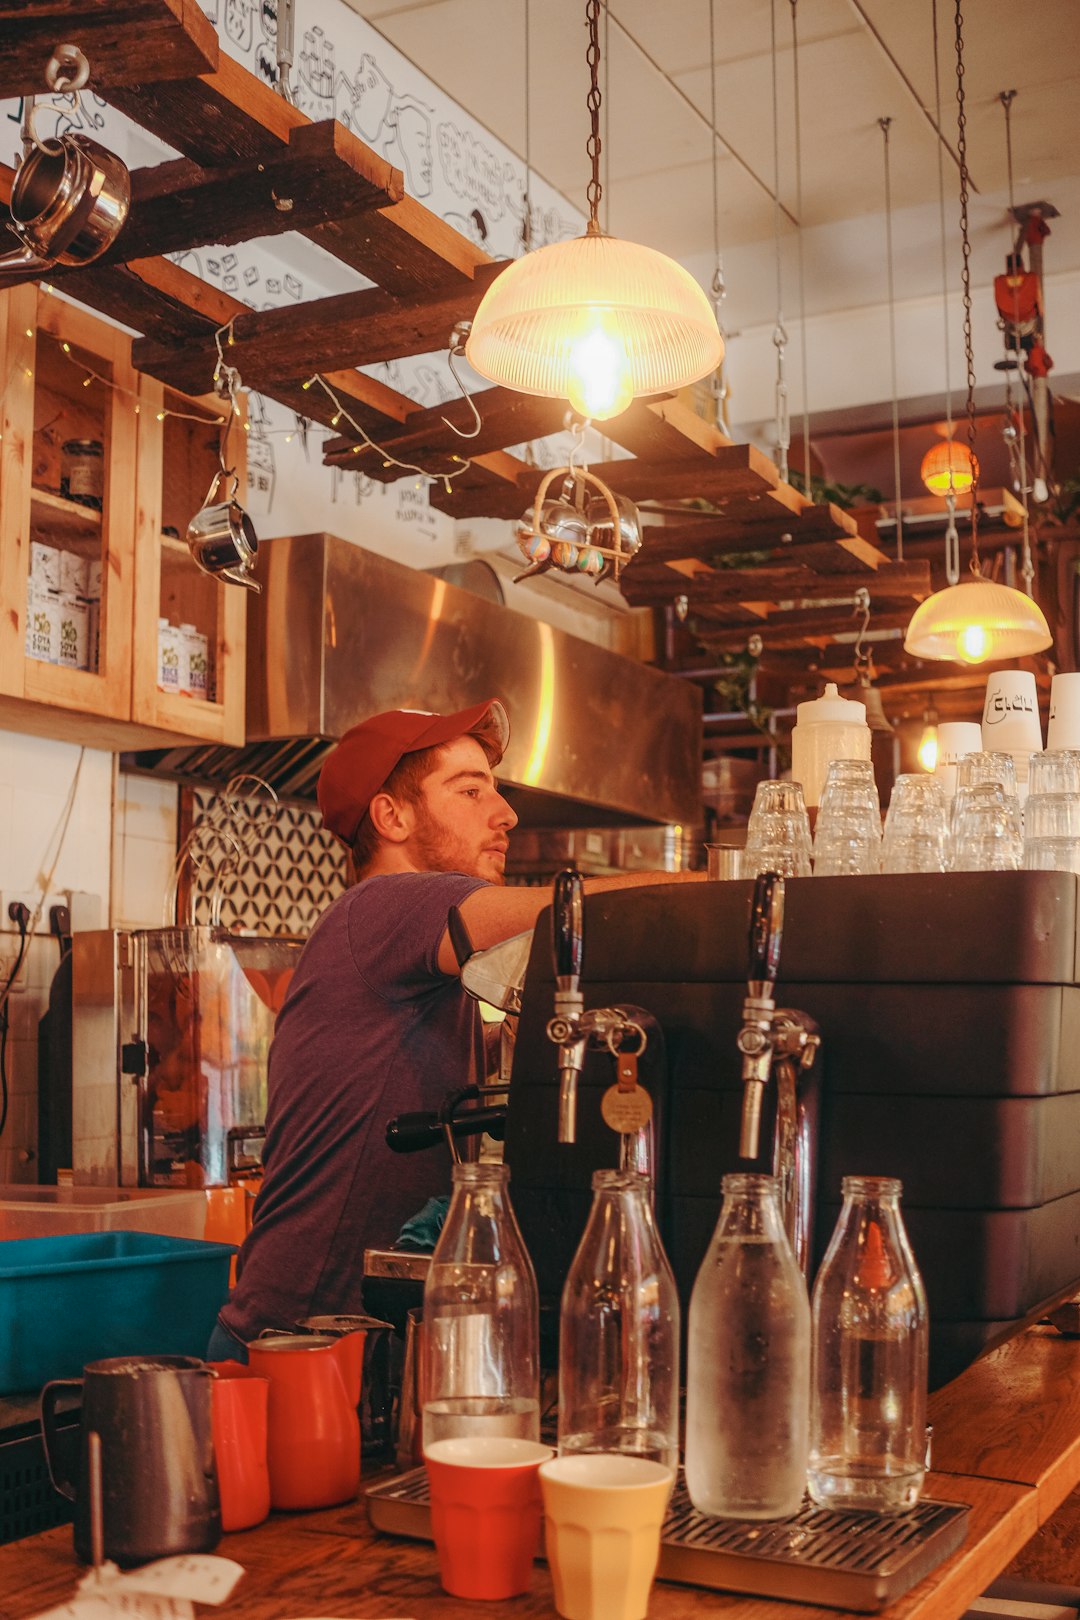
[65, 1301]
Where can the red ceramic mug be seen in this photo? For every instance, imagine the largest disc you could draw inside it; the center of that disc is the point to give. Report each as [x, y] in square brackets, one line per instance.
[238, 1410]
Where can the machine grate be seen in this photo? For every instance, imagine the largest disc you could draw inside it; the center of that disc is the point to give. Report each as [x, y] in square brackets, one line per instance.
[859, 1561]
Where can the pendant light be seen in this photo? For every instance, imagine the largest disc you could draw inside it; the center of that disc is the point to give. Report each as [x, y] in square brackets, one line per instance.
[979, 619]
[595, 320]
[927, 752]
[949, 467]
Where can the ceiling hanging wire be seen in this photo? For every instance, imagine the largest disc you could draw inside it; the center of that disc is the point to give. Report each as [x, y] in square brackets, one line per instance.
[978, 619]
[607, 118]
[799, 213]
[1017, 442]
[780, 337]
[526, 223]
[952, 537]
[884, 124]
[718, 385]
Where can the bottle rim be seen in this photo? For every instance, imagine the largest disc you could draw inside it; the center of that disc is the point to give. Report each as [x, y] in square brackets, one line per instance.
[871, 1186]
[474, 1173]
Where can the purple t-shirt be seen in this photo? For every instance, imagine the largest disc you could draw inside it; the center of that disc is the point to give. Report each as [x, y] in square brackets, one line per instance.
[370, 1028]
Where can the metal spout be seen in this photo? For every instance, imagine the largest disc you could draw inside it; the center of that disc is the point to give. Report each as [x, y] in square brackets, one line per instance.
[568, 1078]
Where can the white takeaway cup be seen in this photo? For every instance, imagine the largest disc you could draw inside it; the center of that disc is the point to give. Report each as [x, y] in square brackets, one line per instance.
[955, 738]
[1064, 728]
[1010, 722]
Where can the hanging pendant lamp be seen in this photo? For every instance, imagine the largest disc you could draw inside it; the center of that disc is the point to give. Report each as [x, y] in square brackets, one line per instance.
[595, 320]
[977, 619]
[949, 466]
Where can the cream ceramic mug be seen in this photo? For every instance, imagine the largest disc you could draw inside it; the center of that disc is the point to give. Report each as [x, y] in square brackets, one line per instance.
[602, 1518]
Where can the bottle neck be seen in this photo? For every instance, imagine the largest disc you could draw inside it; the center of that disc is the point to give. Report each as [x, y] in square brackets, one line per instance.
[751, 1207]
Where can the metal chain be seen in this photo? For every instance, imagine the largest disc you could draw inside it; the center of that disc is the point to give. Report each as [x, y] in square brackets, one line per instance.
[885, 123]
[718, 387]
[965, 243]
[780, 337]
[593, 146]
[799, 211]
[1017, 443]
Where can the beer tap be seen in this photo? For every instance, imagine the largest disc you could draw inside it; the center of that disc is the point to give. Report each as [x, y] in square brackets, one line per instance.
[755, 1038]
[790, 1038]
[575, 1029]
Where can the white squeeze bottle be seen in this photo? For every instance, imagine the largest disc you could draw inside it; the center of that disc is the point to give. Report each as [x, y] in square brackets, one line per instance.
[826, 728]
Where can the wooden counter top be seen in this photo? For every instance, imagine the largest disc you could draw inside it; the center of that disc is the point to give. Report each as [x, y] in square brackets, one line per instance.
[1006, 1441]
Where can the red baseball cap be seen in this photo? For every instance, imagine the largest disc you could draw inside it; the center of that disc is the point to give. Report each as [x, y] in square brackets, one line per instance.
[368, 752]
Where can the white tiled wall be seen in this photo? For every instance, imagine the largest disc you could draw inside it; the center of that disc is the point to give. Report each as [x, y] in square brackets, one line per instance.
[114, 867]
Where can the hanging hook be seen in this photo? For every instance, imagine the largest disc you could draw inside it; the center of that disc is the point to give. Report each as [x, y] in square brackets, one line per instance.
[576, 428]
[952, 543]
[456, 351]
[861, 605]
[66, 73]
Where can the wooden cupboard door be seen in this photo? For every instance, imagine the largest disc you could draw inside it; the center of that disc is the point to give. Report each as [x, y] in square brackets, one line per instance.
[178, 607]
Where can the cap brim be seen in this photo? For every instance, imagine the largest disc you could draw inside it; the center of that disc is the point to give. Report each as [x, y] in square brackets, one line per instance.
[486, 721]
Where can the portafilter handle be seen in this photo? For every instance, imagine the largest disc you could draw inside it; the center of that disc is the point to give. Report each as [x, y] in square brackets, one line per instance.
[755, 1036]
[568, 954]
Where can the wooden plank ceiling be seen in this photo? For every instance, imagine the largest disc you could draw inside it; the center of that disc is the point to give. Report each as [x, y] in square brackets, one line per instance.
[754, 556]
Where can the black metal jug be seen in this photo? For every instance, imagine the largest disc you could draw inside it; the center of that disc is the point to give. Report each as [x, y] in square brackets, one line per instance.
[159, 1486]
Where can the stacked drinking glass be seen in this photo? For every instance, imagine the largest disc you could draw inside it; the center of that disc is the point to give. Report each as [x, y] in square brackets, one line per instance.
[1052, 812]
[986, 824]
[916, 834]
[778, 832]
[847, 839]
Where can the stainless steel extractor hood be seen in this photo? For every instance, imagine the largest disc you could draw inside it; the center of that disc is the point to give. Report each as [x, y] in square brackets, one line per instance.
[340, 632]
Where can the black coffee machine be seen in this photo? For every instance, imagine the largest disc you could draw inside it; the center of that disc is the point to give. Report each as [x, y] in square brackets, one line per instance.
[949, 1012]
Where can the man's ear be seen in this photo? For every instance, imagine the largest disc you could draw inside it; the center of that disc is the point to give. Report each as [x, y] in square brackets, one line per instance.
[391, 819]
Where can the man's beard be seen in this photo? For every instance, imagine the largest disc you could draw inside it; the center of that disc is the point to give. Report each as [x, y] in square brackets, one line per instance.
[440, 850]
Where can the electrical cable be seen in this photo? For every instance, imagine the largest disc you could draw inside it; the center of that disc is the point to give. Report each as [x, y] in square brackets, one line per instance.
[19, 914]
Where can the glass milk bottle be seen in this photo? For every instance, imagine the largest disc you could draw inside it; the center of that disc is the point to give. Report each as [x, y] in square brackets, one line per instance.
[748, 1375]
[481, 1317]
[869, 1358]
[619, 1330]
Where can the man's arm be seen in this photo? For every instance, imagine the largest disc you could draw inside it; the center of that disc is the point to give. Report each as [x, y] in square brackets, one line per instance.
[492, 914]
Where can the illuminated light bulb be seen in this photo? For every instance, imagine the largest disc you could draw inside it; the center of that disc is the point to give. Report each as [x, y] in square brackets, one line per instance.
[66, 347]
[30, 331]
[972, 643]
[161, 416]
[138, 408]
[27, 372]
[308, 383]
[87, 381]
[289, 437]
[948, 466]
[598, 380]
[335, 419]
[247, 427]
[928, 747]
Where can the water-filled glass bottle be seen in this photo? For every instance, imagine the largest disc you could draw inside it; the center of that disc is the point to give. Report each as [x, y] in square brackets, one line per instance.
[619, 1330]
[869, 1358]
[481, 1319]
[748, 1375]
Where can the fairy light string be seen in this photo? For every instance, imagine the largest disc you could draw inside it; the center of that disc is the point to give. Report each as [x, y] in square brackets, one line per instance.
[388, 457]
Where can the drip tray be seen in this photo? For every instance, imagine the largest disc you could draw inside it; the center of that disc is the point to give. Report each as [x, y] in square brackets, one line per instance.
[860, 1561]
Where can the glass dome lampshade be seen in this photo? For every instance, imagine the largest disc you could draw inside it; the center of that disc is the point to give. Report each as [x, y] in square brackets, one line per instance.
[597, 321]
[947, 466]
[975, 621]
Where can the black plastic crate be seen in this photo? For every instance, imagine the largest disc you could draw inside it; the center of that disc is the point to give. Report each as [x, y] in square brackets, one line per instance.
[28, 1502]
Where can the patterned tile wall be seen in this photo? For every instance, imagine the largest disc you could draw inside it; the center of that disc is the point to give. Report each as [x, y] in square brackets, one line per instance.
[288, 871]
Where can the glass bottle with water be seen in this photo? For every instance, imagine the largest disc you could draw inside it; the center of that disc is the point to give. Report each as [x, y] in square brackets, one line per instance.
[481, 1319]
[869, 1358]
[748, 1374]
[619, 1330]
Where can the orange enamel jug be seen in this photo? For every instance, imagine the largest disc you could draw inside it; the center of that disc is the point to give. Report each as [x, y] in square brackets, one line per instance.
[313, 1433]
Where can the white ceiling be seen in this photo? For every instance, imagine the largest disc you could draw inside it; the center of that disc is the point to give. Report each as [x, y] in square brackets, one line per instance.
[858, 61]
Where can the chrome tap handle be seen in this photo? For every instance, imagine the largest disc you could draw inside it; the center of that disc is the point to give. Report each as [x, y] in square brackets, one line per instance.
[755, 1037]
[567, 927]
[568, 952]
[766, 933]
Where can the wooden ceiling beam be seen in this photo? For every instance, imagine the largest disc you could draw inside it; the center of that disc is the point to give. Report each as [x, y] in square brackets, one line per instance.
[664, 429]
[349, 329]
[230, 116]
[490, 488]
[324, 171]
[785, 630]
[892, 582]
[507, 417]
[172, 39]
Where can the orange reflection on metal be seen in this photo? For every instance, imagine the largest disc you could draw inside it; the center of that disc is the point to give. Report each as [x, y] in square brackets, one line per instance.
[545, 712]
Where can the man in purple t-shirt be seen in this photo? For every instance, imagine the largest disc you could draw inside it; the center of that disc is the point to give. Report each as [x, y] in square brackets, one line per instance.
[376, 1022]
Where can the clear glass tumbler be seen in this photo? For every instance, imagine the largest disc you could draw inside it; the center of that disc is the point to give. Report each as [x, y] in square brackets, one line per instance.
[778, 832]
[915, 838]
[869, 1349]
[1055, 771]
[985, 834]
[481, 1317]
[619, 1330]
